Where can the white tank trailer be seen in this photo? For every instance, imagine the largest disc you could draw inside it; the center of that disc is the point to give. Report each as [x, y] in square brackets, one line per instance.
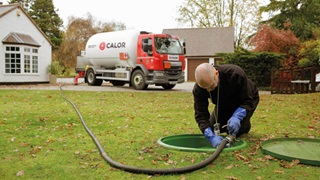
[106, 53]
[134, 57]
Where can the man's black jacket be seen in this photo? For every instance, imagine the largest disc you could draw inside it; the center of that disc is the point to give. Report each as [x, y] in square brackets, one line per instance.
[235, 90]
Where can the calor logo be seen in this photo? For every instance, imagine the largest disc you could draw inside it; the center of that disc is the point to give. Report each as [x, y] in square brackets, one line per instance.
[115, 45]
[102, 46]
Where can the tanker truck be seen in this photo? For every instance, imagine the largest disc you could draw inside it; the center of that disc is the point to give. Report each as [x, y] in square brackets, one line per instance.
[138, 58]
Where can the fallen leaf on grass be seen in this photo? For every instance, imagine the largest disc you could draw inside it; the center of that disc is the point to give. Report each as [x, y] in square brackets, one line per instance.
[113, 169]
[278, 171]
[92, 166]
[232, 178]
[50, 140]
[229, 167]
[140, 158]
[266, 137]
[20, 173]
[285, 164]
[269, 157]
[254, 149]
[191, 160]
[170, 162]
[154, 162]
[260, 159]
[146, 150]
[311, 128]
[12, 139]
[24, 144]
[240, 157]
[35, 150]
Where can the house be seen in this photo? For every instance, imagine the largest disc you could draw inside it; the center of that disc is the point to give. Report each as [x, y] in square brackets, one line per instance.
[202, 44]
[25, 51]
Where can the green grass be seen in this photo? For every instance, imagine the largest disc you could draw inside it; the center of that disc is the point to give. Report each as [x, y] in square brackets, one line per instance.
[43, 138]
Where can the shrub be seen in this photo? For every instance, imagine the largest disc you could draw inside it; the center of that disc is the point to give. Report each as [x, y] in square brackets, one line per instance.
[257, 65]
[55, 68]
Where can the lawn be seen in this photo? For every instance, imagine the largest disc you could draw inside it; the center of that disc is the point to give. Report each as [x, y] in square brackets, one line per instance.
[43, 138]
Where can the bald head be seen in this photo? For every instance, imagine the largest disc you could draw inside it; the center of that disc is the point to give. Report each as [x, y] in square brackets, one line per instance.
[205, 75]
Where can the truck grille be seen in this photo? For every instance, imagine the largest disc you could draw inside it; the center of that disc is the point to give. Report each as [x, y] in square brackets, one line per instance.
[175, 69]
[173, 72]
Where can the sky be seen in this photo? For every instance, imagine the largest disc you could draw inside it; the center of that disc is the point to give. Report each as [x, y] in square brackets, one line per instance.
[148, 15]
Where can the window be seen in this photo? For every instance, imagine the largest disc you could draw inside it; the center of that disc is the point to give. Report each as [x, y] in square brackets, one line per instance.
[21, 62]
[34, 64]
[147, 46]
[27, 50]
[12, 60]
[26, 63]
[35, 60]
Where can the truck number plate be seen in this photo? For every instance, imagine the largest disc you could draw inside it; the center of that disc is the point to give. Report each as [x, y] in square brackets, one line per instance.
[172, 82]
[173, 57]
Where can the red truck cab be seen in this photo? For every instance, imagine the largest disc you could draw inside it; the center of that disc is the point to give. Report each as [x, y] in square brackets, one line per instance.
[163, 57]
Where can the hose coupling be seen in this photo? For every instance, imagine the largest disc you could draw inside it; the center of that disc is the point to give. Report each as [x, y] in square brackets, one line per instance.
[230, 140]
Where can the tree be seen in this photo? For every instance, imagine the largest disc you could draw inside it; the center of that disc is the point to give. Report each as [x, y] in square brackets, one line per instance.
[304, 15]
[74, 40]
[243, 15]
[24, 3]
[45, 16]
[283, 41]
[110, 26]
[310, 51]
[79, 30]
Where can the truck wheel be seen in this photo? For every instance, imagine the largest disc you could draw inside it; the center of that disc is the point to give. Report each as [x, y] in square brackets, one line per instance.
[92, 80]
[138, 80]
[118, 83]
[168, 86]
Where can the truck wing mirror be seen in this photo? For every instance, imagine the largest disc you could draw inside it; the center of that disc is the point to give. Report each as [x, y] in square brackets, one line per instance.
[184, 48]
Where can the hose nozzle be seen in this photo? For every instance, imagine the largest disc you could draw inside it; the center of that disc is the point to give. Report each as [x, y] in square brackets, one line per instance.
[216, 129]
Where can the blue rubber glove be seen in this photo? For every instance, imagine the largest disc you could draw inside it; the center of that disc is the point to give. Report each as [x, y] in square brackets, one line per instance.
[234, 121]
[214, 140]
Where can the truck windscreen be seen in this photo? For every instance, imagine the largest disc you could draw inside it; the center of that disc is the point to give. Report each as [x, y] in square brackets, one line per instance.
[168, 46]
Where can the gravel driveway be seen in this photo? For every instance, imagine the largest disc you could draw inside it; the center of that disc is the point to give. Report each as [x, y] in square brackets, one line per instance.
[68, 85]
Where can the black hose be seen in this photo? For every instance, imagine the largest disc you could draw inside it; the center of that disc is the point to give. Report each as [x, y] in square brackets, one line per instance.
[149, 171]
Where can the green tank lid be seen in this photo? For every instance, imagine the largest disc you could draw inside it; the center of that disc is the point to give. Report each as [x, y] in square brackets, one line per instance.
[306, 150]
[195, 143]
